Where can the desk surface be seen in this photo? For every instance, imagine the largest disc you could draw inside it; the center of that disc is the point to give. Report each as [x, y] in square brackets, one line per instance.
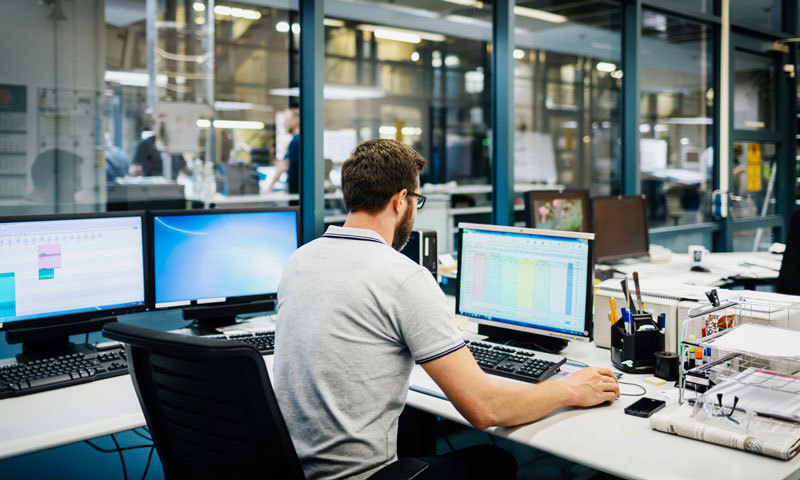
[723, 267]
[603, 437]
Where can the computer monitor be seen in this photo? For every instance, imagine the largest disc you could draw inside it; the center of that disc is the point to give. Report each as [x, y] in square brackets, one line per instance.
[565, 210]
[217, 264]
[526, 284]
[62, 275]
[620, 226]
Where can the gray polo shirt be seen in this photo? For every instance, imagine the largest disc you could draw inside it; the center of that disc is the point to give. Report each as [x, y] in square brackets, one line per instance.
[353, 317]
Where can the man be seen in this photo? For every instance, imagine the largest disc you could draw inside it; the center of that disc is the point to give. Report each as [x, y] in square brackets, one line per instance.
[291, 162]
[354, 315]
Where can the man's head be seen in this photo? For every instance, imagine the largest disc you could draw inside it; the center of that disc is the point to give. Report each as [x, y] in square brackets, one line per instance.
[292, 121]
[378, 176]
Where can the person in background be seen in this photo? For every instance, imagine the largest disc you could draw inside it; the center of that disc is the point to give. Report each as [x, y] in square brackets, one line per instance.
[147, 160]
[116, 161]
[291, 162]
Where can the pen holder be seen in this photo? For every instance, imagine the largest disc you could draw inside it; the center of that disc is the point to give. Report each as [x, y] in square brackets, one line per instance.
[635, 352]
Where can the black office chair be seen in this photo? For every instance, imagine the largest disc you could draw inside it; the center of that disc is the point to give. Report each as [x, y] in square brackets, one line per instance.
[211, 409]
[789, 276]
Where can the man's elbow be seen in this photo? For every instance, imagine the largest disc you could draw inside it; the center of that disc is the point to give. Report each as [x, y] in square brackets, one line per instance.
[481, 418]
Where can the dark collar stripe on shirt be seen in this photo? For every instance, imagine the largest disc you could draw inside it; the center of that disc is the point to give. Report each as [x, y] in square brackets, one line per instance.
[351, 237]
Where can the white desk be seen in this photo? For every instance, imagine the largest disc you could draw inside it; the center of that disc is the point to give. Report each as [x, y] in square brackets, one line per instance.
[723, 268]
[603, 437]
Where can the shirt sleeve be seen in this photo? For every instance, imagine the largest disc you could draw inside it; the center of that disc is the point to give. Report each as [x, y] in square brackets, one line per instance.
[426, 319]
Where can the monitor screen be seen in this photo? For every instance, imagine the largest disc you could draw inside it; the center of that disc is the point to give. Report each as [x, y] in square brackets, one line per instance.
[565, 210]
[620, 224]
[526, 279]
[65, 266]
[212, 256]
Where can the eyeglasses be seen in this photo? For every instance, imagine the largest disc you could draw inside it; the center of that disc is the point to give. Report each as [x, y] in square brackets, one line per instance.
[420, 199]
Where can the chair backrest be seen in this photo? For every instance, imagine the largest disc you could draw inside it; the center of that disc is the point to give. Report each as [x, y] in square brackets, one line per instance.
[209, 404]
[789, 276]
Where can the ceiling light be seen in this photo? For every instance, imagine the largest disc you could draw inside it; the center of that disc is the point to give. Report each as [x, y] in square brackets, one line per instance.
[468, 20]
[226, 11]
[617, 74]
[282, 27]
[295, 28]
[133, 79]
[644, 127]
[387, 130]
[689, 121]
[199, 7]
[607, 67]
[466, 3]
[452, 61]
[336, 92]
[385, 32]
[414, 56]
[231, 124]
[332, 22]
[539, 14]
[519, 54]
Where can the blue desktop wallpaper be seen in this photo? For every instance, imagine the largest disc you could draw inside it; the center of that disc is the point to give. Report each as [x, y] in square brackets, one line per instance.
[221, 255]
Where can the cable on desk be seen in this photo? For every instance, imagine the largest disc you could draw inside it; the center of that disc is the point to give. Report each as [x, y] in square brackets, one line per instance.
[644, 390]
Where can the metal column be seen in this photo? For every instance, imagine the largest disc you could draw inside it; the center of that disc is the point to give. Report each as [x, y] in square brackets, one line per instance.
[630, 177]
[312, 117]
[503, 113]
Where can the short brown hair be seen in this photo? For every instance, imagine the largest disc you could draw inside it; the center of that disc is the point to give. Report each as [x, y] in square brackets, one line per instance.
[376, 170]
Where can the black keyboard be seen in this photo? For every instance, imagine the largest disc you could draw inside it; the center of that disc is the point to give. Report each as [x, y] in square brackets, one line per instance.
[263, 341]
[514, 362]
[62, 371]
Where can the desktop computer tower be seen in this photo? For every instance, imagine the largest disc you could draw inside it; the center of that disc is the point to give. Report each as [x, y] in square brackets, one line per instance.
[421, 248]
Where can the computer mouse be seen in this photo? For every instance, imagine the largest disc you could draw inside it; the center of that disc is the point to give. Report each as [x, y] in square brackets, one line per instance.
[698, 268]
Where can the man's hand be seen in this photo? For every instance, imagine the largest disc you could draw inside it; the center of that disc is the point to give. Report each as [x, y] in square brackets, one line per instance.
[591, 386]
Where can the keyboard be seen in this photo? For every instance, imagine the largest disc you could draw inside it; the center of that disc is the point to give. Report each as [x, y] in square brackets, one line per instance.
[61, 371]
[263, 341]
[513, 362]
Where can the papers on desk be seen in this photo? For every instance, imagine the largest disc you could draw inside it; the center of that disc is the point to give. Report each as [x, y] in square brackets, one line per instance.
[764, 392]
[763, 435]
[760, 340]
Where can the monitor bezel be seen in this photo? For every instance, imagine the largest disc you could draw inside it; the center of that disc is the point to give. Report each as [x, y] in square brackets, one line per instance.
[637, 254]
[532, 195]
[56, 319]
[588, 325]
[243, 299]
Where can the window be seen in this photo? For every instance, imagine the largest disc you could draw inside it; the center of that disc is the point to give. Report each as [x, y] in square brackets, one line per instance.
[677, 120]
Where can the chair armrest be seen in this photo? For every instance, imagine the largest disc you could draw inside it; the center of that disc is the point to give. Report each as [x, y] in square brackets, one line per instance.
[403, 469]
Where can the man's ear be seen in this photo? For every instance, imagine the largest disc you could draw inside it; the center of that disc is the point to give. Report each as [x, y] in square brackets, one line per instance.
[398, 199]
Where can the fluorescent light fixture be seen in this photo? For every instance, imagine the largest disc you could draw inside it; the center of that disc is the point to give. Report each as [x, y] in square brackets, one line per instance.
[452, 61]
[336, 92]
[232, 124]
[415, 56]
[644, 127]
[332, 22]
[519, 54]
[689, 120]
[569, 124]
[401, 34]
[684, 141]
[295, 28]
[225, 106]
[616, 74]
[226, 11]
[411, 131]
[468, 20]
[607, 67]
[387, 130]
[282, 27]
[133, 79]
[466, 3]
[754, 124]
[199, 7]
[539, 14]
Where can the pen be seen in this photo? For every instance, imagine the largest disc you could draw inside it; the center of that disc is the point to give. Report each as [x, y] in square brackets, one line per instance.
[662, 320]
[638, 291]
[625, 322]
[626, 292]
[613, 310]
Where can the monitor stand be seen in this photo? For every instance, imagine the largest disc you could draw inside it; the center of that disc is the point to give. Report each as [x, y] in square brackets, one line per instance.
[50, 341]
[209, 318]
[516, 338]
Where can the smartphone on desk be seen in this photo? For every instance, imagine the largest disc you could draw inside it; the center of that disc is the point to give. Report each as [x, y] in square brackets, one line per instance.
[645, 407]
